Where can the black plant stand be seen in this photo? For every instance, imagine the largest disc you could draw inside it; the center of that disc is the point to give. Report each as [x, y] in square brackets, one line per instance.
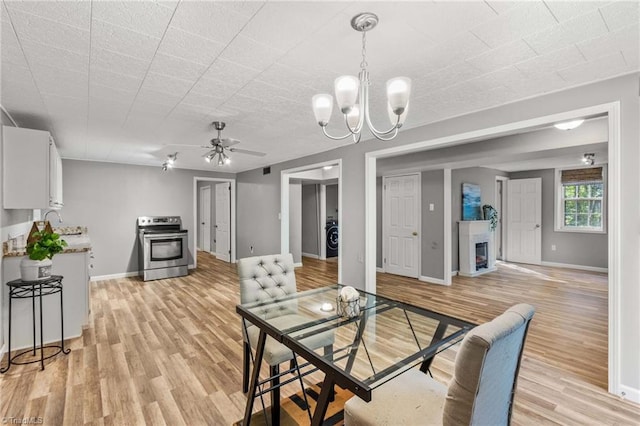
[19, 289]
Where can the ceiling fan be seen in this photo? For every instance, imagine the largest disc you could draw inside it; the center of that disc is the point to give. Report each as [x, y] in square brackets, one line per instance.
[219, 147]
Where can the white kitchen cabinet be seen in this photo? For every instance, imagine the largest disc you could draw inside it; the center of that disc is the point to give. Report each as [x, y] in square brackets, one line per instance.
[32, 169]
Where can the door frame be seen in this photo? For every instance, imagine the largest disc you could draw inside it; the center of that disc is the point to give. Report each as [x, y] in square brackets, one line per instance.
[284, 206]
[232, 241]
[419, 219]
[200, 228]
[217, 253]
[612, 109]
[503, 214]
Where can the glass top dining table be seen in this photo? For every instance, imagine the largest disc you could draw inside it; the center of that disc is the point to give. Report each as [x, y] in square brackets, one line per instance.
[382, 339]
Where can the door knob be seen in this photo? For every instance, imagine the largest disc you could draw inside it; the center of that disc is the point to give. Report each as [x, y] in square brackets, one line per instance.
[537, 225]
[203, 223]
[414, 233]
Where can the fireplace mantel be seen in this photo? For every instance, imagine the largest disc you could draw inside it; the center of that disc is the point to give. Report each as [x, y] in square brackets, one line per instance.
[476, 247]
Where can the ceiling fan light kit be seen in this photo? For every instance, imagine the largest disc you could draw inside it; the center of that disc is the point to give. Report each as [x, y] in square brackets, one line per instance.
[352, 95]
[169, 162]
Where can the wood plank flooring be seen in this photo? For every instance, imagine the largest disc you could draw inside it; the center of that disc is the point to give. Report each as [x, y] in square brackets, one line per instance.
[169, 351]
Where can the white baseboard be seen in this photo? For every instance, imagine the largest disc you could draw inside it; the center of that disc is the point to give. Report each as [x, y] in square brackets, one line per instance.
[630, 394]
[3, 350]
[570, 266]
[192, 266]
[312, 256]
[297, 265]
[431, 280]
[115, 276]
[379, 269]
[454, 273]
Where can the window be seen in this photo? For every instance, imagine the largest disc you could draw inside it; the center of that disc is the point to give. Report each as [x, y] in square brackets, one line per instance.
[581, 199]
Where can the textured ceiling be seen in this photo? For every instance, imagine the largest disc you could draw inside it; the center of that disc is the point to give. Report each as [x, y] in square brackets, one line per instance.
[121, 81]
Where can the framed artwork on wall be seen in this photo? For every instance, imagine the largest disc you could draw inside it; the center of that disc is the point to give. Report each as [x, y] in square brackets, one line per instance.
[471, 202]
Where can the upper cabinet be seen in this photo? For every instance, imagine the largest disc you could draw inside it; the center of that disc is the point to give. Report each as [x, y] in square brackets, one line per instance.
[32, 169]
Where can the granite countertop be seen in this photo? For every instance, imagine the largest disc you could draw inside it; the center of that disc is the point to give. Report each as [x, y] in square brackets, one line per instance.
[77, 239]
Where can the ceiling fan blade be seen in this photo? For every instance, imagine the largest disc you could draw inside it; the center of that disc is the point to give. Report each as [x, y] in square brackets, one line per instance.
[227, 142]
[246, 151]
[186, 146]
[206, 154]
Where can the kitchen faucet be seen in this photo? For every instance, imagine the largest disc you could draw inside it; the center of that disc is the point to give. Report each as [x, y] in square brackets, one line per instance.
[53, 211]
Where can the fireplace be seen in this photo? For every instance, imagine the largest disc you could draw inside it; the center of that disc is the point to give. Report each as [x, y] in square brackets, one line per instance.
[482, 255]
[476, 248]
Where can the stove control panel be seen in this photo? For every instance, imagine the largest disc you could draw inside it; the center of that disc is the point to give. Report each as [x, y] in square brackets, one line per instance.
[159, 220]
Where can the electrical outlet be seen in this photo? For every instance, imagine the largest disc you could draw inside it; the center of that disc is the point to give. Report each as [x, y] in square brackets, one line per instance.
[553, 247]
[360, 258]
[432, 207]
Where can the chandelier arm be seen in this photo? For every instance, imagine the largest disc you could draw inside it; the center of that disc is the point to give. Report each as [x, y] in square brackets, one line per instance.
[335, 138]
[382, 138]
[377, 133]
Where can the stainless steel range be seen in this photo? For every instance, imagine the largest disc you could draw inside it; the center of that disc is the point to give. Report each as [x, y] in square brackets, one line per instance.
[163, 247]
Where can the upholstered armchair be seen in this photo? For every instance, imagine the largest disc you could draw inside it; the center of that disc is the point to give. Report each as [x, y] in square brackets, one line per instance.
[480, 393]
[268, 279]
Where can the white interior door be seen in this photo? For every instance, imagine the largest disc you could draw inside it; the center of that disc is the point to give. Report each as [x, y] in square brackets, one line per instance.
[401, 225]
[524, 224]
[204, 226]
[223, 221]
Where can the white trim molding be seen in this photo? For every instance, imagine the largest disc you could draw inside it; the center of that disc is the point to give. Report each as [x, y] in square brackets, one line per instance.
[284, 206]
[630, 394]
[312, 256]
[432, 280]
[612, 110]
[570, 266]
[233, 244]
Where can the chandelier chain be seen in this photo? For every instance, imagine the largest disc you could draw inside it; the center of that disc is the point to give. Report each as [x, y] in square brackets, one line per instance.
[364, 64]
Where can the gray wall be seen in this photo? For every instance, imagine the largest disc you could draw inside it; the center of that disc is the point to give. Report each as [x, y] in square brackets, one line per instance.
[332, 202]
[212, 219]
[295, 221]
[482, 176]
[379, 222]
[261, 226]
[432, 264]
[108, 198]
[574, 248]
[310, 220]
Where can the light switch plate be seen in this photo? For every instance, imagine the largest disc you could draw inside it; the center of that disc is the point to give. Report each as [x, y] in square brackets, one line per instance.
[432, 207]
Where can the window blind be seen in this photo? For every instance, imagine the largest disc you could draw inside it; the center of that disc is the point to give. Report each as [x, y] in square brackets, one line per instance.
[582, 175]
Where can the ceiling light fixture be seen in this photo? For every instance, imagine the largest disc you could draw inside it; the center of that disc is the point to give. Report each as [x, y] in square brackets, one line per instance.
[569, 125]
[589, 158]
[169, 162]
[352, 95]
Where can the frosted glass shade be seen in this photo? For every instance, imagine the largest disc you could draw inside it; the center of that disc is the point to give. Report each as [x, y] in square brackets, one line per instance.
[394, 118]
[346, 88]
[398, 91]
[353, 117]
[322, 107]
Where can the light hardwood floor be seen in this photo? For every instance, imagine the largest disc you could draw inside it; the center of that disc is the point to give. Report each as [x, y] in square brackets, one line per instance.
[169, 351]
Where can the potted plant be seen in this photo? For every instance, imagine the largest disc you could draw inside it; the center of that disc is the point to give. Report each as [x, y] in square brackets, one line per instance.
[491, 215]
[41, 249]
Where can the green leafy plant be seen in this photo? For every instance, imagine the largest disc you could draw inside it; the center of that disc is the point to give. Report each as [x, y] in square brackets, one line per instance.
[45, 245]
[491, 215]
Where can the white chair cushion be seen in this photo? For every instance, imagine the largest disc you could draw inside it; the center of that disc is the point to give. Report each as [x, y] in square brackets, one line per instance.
[412, 398]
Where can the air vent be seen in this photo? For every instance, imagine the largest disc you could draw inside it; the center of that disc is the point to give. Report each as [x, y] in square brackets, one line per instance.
[266, 170]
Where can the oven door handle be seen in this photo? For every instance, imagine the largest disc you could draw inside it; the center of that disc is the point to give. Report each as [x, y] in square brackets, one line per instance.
[164, 236]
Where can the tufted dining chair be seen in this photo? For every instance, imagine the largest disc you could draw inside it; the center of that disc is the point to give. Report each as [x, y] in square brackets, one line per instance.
[267, 279]
[480, 393]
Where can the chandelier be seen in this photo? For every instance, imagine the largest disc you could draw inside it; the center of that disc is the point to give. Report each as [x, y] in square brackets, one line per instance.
[352, 95]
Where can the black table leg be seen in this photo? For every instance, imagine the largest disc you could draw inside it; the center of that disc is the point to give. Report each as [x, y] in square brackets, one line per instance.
[33, 318]
[41, 333]
[274, 371]
[323, 401]
[64, 351]
[437, 336]
[255, 375]
[4, 370]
